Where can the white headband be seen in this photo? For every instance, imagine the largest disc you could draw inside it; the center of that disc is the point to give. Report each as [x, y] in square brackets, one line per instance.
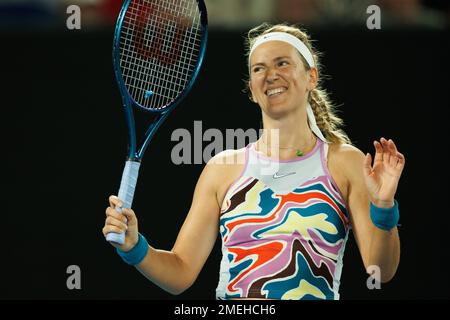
[304, 51]
[288, 38]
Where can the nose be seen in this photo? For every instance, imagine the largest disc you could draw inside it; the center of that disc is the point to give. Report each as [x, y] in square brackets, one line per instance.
[272, 75]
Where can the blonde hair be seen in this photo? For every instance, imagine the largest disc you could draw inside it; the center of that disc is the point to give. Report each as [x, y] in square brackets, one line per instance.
[324, 110]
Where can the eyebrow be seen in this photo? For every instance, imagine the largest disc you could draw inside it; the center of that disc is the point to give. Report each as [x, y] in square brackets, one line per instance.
[275, 59]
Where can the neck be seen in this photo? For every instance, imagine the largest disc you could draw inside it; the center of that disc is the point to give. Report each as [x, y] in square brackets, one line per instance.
[287, 135]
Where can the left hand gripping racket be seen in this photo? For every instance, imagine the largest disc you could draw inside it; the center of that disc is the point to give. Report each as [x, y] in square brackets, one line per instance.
[157, 53]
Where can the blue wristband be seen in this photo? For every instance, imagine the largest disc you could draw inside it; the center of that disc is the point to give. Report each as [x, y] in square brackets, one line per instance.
[137, 253]
[385, 218]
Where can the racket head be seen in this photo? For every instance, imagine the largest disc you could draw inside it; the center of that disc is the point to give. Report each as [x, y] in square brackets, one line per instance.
[158, 50]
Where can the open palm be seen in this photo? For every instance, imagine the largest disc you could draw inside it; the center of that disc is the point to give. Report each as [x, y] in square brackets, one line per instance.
[382, 179]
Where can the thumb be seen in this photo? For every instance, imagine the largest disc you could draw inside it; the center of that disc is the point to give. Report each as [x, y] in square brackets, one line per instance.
[367, 164]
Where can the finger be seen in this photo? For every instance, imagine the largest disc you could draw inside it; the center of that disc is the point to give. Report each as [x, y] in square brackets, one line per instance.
[401, 161]
[108, 229]
[393, 160]
[114, 201]
[367, 164]
[129, 215]
[400, 157]
[393, 146]
[378, 151]
[393, 153]
[116, 222]
[113, 213]
[386, 150]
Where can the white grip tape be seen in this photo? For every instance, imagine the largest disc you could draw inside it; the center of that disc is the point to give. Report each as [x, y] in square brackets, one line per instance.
[126, 194]
[128, 183]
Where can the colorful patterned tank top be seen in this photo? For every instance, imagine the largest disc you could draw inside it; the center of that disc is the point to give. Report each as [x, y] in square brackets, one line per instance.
[284, 226]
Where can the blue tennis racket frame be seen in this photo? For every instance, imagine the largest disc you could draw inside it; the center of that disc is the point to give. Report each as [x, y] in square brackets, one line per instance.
[135, 155]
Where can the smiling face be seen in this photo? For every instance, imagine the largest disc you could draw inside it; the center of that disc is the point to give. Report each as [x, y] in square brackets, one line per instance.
[279, 82]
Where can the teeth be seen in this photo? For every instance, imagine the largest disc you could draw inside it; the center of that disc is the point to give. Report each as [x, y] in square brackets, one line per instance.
[275, 91]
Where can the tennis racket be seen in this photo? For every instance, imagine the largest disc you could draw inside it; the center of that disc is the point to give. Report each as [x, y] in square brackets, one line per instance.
[157, 53]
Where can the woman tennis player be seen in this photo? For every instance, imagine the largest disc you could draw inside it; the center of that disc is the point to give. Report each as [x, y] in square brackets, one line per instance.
[283, 229]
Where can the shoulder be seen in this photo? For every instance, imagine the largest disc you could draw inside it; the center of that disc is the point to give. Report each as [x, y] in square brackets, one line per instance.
[345, 152]
[228, 157]
[346, 159]
[223, 169]
[226, 164]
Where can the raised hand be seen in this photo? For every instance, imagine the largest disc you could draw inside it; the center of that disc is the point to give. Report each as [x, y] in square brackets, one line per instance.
[382, 178]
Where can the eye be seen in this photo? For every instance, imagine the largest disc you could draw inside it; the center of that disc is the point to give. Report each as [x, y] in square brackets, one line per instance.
[283, 63]
[257, 69]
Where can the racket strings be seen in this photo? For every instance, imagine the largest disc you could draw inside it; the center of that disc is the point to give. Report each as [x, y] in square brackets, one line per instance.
[160, 45]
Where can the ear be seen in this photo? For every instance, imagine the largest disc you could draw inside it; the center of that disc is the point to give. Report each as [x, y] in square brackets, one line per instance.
[313, 77]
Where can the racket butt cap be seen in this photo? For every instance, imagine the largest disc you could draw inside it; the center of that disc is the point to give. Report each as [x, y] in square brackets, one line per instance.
[118, 238]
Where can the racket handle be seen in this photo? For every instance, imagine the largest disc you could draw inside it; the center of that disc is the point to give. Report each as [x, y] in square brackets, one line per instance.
[126, 194]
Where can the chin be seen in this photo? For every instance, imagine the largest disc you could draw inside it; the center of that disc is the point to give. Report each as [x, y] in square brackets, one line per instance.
[278, 110]
[278, 114]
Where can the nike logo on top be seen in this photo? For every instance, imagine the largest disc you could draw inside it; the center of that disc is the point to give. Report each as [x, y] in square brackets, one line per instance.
[278, 176]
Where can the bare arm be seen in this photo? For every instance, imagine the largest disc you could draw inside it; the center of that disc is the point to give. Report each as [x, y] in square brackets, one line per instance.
[377, 247]
[176, 270]
[378, 185]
